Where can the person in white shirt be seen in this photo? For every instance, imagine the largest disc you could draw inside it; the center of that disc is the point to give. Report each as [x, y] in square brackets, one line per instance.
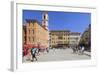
[82, 50]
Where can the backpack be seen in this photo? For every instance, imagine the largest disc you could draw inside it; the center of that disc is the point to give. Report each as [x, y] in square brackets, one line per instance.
[33, 51]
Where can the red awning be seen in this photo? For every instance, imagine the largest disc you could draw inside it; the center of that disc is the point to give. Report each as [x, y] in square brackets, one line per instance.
[29, 46]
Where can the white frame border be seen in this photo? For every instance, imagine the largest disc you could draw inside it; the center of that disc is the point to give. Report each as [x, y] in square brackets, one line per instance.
[16, 63]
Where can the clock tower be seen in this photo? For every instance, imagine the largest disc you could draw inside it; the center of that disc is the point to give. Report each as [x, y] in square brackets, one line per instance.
[45, 20]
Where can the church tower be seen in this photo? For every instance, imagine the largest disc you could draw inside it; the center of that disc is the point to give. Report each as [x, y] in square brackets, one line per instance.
[45, 20]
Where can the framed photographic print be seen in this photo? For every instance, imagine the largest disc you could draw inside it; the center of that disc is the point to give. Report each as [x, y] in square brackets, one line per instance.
[52, 36]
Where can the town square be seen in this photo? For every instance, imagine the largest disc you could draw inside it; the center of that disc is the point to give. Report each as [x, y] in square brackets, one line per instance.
[56, 36]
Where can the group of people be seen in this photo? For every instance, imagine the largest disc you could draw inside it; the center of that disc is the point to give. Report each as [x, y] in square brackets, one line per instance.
[33, 52]
[78, 49]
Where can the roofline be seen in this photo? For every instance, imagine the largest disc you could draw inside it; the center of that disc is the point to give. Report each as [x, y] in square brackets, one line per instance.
[35, 21]
[59, 31]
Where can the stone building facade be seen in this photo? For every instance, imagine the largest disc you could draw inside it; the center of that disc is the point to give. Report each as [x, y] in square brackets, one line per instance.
[63, 38]
[35, 33]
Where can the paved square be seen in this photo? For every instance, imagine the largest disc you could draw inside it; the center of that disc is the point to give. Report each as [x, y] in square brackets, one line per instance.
[58, 55]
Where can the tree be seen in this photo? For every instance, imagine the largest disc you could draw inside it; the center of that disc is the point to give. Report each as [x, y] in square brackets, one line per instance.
[86, 39]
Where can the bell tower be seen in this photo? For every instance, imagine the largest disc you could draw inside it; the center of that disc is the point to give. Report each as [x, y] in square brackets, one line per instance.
[45, 20]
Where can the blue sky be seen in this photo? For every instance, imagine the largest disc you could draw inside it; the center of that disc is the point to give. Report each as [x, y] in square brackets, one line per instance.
[73, 21]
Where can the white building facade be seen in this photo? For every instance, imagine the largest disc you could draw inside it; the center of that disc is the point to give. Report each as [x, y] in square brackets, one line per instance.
[74, 38]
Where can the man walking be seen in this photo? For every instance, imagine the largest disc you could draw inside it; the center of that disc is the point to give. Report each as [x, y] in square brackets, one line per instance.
[82, 50]
[33, 53]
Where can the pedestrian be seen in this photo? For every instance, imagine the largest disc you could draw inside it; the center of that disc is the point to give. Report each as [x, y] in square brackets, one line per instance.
[47, 49]
[74, 49]
[53, 49]
[33, 53]
[82, 50]
[37, 51]
[77, 49]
